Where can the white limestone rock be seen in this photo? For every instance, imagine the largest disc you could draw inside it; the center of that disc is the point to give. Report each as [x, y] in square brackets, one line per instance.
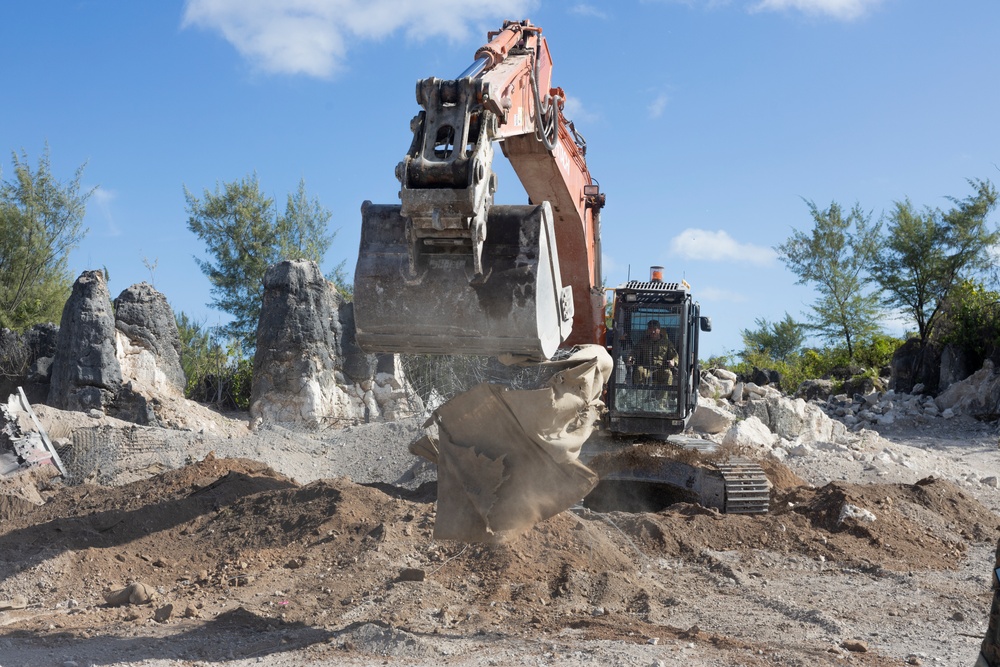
[710, 416]
[856, 513]
[750, 432]
[724, 374]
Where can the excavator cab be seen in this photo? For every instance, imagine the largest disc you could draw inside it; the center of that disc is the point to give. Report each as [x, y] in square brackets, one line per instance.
[653, 341]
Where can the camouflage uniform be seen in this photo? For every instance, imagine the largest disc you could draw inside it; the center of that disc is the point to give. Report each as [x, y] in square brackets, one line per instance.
[651, 357]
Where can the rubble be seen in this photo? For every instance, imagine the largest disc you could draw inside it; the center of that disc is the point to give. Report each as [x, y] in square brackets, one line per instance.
[28, 458]
[135, 593]
[17, 602]
[815, 414]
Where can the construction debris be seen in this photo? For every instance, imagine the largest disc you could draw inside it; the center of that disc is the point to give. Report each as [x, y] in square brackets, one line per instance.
[23, 441]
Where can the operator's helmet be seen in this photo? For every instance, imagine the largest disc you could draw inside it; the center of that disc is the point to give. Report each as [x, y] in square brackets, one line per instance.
[653, 324]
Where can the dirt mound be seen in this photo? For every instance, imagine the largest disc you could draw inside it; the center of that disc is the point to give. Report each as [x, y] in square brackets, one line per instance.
[899, 526]
[234, 530]
[921, 526]
[779, 475]
[12, 507]
[230, 527]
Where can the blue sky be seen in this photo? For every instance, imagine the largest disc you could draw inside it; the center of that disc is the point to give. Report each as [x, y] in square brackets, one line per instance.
[707, 122]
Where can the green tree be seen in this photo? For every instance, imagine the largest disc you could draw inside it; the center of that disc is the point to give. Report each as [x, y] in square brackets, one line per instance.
[245, 235]
[926, 254]
[779, 340]
[200, 354]
[215, 373]
[302, 234]
[834, 258]
[970, 319]
[41, 221]
[301, 231]
[876, 352]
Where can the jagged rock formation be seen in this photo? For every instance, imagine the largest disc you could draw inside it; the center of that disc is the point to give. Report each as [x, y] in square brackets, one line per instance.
[85, 370]
[955, 366]
[976, 396]
[121, 362]
[147, 342]
[126, 364]
[307, 369]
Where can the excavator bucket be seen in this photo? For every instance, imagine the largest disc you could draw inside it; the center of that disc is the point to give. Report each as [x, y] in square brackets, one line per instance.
[414, 297]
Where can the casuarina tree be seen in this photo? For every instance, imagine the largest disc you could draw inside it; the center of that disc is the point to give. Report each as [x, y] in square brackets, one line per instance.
[41, 221]
[835, 257]
[244, 235]
[926, 254]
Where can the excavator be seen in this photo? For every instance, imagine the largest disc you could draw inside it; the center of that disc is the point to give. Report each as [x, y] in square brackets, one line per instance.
[448, 272]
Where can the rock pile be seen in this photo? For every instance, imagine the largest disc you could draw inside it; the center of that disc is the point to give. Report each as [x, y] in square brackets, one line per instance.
[763, 416]
[977, 396]
[837, 427]
[767, 421]
[882, 408]
[724, 399]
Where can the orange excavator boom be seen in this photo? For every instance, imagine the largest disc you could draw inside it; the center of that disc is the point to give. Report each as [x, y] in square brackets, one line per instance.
[446, 271]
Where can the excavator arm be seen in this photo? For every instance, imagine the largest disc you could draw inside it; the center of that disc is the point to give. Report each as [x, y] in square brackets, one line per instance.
[448, 272]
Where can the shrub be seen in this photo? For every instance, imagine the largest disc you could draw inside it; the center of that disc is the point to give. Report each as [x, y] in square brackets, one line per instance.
[971, 320]
[221, 376]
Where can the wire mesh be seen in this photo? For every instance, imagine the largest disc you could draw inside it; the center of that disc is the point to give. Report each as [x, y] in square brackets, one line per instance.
[437, 378]
[645, 354]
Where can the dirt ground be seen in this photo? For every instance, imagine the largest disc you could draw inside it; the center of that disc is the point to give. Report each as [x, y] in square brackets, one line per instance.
[279, 548]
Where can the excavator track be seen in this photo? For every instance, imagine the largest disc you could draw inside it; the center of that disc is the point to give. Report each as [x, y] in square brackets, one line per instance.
[734, 485]
[747, 488]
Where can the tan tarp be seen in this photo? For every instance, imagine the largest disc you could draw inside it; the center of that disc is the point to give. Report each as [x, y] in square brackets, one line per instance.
[508, 459]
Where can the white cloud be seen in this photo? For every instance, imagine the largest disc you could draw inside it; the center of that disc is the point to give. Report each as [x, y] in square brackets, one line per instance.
[703, 244]
[658, 105]
[584, 9]
[575, 111]
[845, 10]
[313, 37]
[102, 198]
[710, 294]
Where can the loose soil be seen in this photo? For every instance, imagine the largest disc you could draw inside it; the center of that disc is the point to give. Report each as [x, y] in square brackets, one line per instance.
[251, 566]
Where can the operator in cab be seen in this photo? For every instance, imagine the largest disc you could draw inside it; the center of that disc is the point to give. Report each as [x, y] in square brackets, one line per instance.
[654, 357]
